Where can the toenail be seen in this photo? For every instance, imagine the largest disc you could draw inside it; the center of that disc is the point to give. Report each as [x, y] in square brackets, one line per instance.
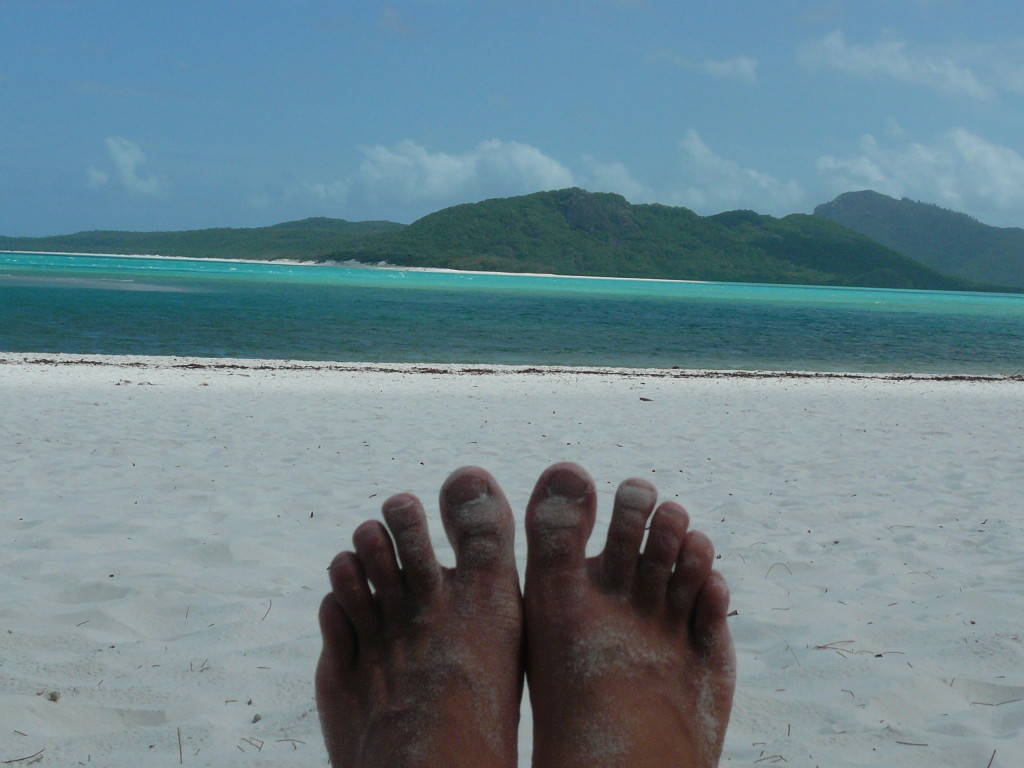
[397, 503]
[637, 494]
[567, 484]
[465, 488]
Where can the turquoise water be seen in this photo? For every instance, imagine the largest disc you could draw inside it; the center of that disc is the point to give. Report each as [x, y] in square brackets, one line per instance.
[115, 305]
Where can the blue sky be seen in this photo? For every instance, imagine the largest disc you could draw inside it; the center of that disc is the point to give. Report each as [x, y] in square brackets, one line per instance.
[190, 114]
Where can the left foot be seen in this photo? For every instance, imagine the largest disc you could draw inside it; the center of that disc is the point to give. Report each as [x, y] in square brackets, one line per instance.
[425, 667]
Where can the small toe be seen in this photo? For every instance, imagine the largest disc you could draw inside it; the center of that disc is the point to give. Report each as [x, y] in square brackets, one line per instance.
[338, 633]
[710, 625]
[337, 655]
[560, 517]
[407, 521]
[634, 501]
[664, 541]
[377, 555]
[693, 567]
[352, 593]
[478, 520]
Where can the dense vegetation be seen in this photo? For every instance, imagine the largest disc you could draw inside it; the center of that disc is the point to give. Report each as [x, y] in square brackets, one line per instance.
[950, 242]
[303, 240]
[572, 231]
[568, 231]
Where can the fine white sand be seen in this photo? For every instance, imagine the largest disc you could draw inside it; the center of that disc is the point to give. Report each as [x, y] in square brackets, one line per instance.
[166, 531]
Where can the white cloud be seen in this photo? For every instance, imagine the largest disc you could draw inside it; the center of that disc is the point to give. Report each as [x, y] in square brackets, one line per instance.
[742, 69]
[97, 178]
[1003, 60]
[408, 176]
[614, 177]
[959, 169]
[892, 59]
[405, 181]
[713, 183]
[128, 159]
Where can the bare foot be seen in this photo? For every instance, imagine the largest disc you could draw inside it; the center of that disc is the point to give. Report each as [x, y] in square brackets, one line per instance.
[629, 658]
[425, 669]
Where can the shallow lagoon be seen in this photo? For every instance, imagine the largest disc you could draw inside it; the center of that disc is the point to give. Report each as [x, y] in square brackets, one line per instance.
[150, 306]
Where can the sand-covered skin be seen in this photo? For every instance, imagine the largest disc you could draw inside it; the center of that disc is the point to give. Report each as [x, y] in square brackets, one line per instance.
[166, 533]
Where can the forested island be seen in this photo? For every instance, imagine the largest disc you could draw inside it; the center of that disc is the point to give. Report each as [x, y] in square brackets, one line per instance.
[569, 231]
[948, 241]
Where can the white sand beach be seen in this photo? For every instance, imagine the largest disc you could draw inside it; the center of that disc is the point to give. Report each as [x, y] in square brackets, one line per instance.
[167, 524]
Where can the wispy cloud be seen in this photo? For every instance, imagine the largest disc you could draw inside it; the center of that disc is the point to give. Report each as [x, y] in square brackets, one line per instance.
[894, 59]
[97, 178]
[128, 160]
[959, 169]
[406, 180]
[408, 176]
[614, 177]
[711, 183]
[393, 22]
[741, 69]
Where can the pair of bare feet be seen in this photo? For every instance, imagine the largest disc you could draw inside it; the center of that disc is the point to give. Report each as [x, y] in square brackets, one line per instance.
[628, 654]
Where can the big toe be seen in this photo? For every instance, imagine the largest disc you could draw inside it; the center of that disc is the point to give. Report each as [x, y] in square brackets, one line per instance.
[478, 520]
[560, 517]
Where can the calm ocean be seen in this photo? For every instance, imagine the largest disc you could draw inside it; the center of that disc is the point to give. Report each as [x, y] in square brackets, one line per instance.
[145, 306]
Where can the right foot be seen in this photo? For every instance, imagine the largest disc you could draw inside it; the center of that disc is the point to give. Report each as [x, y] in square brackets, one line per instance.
[629, 659]
[426, 668]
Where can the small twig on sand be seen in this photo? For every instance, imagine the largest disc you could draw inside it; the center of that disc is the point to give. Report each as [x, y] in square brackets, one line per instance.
[788, 648]
[998, 704]
[181, 759]
[783, 565]
[22, 759]
[991, 759]
[268, 608]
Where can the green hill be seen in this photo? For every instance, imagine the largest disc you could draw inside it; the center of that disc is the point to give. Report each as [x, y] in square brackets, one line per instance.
[950, 242]
[572, 231]
[568, 231]
[305, 240]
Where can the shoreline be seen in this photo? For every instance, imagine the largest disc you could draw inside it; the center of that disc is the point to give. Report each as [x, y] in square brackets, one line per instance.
[158, 362]
[353, 264]
[384, 266]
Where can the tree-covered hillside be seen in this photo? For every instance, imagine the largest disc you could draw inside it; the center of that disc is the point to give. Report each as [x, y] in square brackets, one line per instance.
[568, 231]
[572, 231]
[308, 239]
[950, 242]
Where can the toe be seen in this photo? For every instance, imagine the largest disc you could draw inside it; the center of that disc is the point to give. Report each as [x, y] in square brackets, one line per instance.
[352, 594]
[339, 644]
[408, 524]
[560, 517]
[338, 634]
[634, 502]
[693, 567]
[337, 655]
[710, 611]
[664, 541]
[377, 554]
[478, 520]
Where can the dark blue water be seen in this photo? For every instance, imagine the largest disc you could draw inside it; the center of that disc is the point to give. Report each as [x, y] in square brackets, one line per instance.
[139, 306]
